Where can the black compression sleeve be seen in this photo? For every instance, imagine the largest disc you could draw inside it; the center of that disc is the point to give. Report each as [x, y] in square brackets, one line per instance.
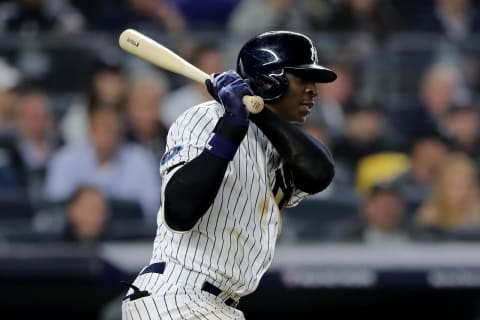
[310, 161]
[192, 189]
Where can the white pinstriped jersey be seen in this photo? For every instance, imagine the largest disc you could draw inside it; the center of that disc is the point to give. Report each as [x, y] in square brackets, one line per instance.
[233, 243]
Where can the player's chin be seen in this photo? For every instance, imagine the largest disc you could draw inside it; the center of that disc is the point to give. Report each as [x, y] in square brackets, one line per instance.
[299, 120]
[301, 116]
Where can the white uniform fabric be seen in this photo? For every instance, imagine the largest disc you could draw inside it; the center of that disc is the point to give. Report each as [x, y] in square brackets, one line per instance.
[233, 244]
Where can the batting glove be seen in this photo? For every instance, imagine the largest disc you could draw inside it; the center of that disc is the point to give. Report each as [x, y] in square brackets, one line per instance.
[229, 88]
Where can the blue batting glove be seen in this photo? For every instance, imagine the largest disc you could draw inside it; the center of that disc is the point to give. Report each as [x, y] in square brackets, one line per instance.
[229, 88]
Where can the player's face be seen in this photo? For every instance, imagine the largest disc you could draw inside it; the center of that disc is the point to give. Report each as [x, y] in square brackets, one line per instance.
[296, 103]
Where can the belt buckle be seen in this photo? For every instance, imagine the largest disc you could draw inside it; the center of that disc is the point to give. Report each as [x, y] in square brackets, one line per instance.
[210, 288]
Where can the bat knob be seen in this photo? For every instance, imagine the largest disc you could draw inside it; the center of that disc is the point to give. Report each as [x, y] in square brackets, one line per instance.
[254, 104]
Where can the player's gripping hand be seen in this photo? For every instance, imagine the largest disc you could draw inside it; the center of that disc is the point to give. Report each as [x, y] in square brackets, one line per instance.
[229, 88]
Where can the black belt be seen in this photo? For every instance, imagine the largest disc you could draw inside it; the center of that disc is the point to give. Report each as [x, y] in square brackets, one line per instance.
[210, 288]
[159, 267]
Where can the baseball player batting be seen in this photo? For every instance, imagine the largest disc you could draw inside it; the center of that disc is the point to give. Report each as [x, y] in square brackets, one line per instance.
[227, 175]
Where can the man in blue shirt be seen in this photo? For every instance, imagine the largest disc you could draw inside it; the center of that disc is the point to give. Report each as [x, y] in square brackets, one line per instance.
[123, 171]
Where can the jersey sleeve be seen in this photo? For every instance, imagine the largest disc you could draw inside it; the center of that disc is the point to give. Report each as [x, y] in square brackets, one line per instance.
[188, 136]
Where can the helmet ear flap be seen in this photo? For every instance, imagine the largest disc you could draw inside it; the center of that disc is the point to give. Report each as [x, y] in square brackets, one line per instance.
[269, 87]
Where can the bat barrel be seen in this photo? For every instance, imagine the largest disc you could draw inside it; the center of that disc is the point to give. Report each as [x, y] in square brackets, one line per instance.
[149, 50]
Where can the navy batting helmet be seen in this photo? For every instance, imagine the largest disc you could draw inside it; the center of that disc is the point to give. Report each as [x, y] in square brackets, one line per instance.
[264, 59]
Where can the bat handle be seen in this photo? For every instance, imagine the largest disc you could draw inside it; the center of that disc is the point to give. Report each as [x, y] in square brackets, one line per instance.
[254, 104]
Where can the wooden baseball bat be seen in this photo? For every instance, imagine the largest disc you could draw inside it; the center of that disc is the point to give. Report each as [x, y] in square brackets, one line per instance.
[150, 50]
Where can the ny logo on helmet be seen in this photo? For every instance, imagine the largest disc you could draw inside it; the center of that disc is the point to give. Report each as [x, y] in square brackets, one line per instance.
[314, 54]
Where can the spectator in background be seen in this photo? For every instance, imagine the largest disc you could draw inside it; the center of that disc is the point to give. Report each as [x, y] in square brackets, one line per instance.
[252, 17]
[364, 26]
[383, 218]
[31, 141]
[331, 102]
[455, 19]
[9, 80]
[106, 86]
[209, 58]
[425, 152]
[116, 15]
[463, 128]
[143, 109]
[87, 215]
[39, 16]
[121, 170]
[379, 167]
[35, 135]
[34, 128]
[365, 134]
[454, 205]
[319, 12]
[440, 89]
[374, 17]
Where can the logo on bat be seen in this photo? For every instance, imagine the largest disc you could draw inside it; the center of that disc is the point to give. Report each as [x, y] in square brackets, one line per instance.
[133, 42]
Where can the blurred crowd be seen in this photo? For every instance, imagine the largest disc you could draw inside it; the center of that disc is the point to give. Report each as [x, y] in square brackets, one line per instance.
[83, 126]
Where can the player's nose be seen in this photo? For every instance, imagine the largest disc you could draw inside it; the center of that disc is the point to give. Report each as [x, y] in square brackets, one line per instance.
[311, 89]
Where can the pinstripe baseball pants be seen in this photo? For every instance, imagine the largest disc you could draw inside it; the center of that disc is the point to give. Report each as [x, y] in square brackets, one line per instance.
[176, 294]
